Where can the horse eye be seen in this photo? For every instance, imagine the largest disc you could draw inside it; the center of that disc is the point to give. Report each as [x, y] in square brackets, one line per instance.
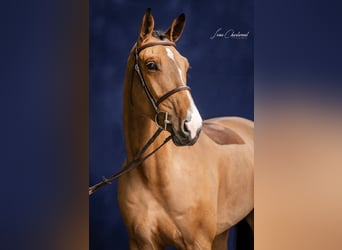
[152, 66]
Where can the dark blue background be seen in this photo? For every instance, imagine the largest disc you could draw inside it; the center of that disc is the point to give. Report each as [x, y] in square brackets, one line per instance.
[44, 111]
[221, 78]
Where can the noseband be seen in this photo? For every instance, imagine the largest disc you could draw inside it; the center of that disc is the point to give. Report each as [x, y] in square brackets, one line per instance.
[155, 102]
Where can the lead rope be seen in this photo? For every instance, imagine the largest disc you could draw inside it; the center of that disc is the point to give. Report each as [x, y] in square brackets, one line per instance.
[137, 160]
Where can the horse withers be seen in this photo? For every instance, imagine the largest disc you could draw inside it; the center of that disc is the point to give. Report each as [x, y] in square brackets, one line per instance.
[194, 189]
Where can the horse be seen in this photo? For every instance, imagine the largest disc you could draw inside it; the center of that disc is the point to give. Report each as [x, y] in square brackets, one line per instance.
[195, 187]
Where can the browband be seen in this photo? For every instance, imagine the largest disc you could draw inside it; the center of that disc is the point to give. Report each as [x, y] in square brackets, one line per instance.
[138, 50]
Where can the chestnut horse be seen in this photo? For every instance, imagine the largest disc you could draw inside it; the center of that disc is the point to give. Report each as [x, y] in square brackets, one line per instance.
[196, 187]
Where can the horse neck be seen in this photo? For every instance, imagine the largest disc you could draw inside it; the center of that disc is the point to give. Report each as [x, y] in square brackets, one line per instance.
[138, 129]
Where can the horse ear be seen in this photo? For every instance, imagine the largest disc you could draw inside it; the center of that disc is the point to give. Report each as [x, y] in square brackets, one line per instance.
[147, 26]
[176, 28]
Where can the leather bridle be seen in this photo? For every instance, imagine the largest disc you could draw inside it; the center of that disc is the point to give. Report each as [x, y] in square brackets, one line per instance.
[155, 102]
[140, 158]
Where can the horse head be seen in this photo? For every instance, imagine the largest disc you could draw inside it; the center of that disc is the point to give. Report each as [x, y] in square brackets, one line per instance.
[163, 94]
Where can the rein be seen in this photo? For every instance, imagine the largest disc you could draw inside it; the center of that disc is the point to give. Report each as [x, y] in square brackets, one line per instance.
[139, 158]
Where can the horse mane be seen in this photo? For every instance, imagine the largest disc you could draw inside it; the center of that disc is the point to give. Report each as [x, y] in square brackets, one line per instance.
[159, 34]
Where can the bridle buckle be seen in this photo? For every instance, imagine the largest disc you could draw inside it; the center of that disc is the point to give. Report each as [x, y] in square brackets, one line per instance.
[166, 120]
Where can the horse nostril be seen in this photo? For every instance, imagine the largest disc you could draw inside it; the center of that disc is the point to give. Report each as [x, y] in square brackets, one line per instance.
[185, 129]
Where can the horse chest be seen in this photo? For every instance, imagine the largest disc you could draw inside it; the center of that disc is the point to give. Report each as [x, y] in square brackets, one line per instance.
[148, 220]
[163, 215]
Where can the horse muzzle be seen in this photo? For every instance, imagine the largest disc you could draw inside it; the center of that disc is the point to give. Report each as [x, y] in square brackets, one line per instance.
[185, 137]
[188, 130]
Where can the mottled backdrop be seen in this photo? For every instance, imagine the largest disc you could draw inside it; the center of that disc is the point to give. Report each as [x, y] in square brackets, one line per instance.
[221, 78]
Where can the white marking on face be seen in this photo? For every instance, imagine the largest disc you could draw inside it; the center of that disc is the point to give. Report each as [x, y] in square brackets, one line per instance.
[181, 75]
[195, 122]
[172, 57]
[170, 54]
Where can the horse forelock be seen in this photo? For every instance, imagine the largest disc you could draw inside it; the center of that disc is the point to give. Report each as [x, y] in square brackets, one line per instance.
[159, 34]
